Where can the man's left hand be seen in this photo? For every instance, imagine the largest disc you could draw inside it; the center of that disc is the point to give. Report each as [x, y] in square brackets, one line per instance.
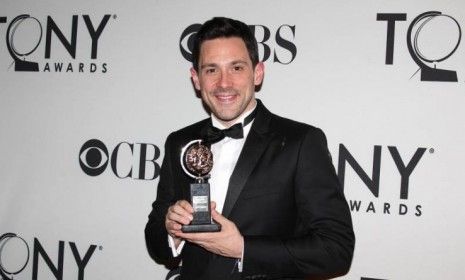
[228, 242]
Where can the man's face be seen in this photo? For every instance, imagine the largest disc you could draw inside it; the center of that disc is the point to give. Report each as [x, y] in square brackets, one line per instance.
[226, 78]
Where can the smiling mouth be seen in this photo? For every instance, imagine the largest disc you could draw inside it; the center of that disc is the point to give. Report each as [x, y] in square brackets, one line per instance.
[225, 95]
[225, 98]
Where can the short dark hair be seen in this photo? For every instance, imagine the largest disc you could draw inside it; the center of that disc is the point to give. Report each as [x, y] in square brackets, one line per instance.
[221, 27]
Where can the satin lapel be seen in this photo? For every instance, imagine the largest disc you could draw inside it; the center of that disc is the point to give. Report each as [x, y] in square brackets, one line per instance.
[256, 143]
[204, 127]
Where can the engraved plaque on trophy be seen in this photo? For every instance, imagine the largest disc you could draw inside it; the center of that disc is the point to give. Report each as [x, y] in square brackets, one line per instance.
[197, 162]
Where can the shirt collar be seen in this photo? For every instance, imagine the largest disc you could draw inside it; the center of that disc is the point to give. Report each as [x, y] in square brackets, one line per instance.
[216, 123]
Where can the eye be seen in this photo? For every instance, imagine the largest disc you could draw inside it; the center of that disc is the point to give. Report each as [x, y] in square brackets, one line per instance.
[238, 68]
[210, 70]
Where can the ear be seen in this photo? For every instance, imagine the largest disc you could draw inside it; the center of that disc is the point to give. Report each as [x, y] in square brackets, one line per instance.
[259, 73]
[195, 78]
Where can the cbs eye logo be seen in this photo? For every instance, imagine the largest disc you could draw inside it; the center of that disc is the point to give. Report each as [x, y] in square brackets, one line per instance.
[186, 43]
[14, 255]
[93, 157]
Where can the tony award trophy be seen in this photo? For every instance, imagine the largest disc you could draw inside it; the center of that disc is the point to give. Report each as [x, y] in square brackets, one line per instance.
[197, 162]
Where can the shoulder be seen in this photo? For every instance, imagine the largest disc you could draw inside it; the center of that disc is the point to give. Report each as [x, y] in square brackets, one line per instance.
[292, 128]
[267, 121]
[311, 140]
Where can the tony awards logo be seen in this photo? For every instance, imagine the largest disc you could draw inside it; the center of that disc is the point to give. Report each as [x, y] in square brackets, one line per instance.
[14, 255]
[427, 64]
[197, 162]
[19, 56]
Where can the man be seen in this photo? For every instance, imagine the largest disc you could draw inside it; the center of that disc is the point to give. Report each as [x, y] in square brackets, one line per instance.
[278, 200]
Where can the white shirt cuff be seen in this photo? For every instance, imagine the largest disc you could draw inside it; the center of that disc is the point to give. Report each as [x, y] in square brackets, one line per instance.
[241, 260]
[176, 251]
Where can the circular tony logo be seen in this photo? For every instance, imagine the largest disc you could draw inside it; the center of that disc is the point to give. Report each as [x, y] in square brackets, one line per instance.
[433, 37]
[14, 255]
[93, 157]
[23, 37]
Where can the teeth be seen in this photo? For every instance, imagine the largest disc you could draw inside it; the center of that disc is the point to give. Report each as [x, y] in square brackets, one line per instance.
[226, 98]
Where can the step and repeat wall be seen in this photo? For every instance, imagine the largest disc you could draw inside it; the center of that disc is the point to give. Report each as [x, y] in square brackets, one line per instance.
[89, 90]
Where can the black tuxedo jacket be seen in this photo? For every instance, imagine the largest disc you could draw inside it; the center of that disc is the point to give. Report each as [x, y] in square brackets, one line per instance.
[284, 197]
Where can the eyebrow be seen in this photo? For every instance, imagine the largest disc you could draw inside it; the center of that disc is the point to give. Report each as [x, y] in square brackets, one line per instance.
[203, 66]
[234, 62]
[239, 62]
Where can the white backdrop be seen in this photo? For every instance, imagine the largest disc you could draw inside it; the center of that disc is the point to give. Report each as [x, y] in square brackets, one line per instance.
[138, 89]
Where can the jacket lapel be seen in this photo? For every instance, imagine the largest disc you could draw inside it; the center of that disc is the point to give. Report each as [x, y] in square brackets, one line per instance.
[254, 146]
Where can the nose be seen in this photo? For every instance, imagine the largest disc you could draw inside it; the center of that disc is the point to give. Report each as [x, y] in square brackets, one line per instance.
[225, 80]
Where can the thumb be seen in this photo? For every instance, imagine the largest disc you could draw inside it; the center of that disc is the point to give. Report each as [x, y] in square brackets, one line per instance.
[212, 205]
[218, 217]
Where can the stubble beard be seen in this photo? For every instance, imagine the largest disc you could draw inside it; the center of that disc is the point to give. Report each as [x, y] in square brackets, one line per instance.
[223, 113]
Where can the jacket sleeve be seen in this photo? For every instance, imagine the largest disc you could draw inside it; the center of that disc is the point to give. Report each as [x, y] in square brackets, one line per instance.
[156, 236]
[324, 243]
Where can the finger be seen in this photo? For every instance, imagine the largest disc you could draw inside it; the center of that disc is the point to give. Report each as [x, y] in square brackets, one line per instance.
[181, 211]
[213, 205]
[195, 237]
[173, 226]
[185, 205]
[173, 229]
[177, 218]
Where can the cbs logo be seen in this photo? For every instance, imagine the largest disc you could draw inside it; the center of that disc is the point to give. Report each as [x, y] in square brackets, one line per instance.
[283, 48]
[127, 160]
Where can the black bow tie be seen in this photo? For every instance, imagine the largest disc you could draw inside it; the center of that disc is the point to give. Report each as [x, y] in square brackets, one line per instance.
[214, 134]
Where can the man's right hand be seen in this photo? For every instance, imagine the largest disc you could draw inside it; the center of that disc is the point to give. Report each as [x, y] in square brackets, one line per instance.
[178, 214]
